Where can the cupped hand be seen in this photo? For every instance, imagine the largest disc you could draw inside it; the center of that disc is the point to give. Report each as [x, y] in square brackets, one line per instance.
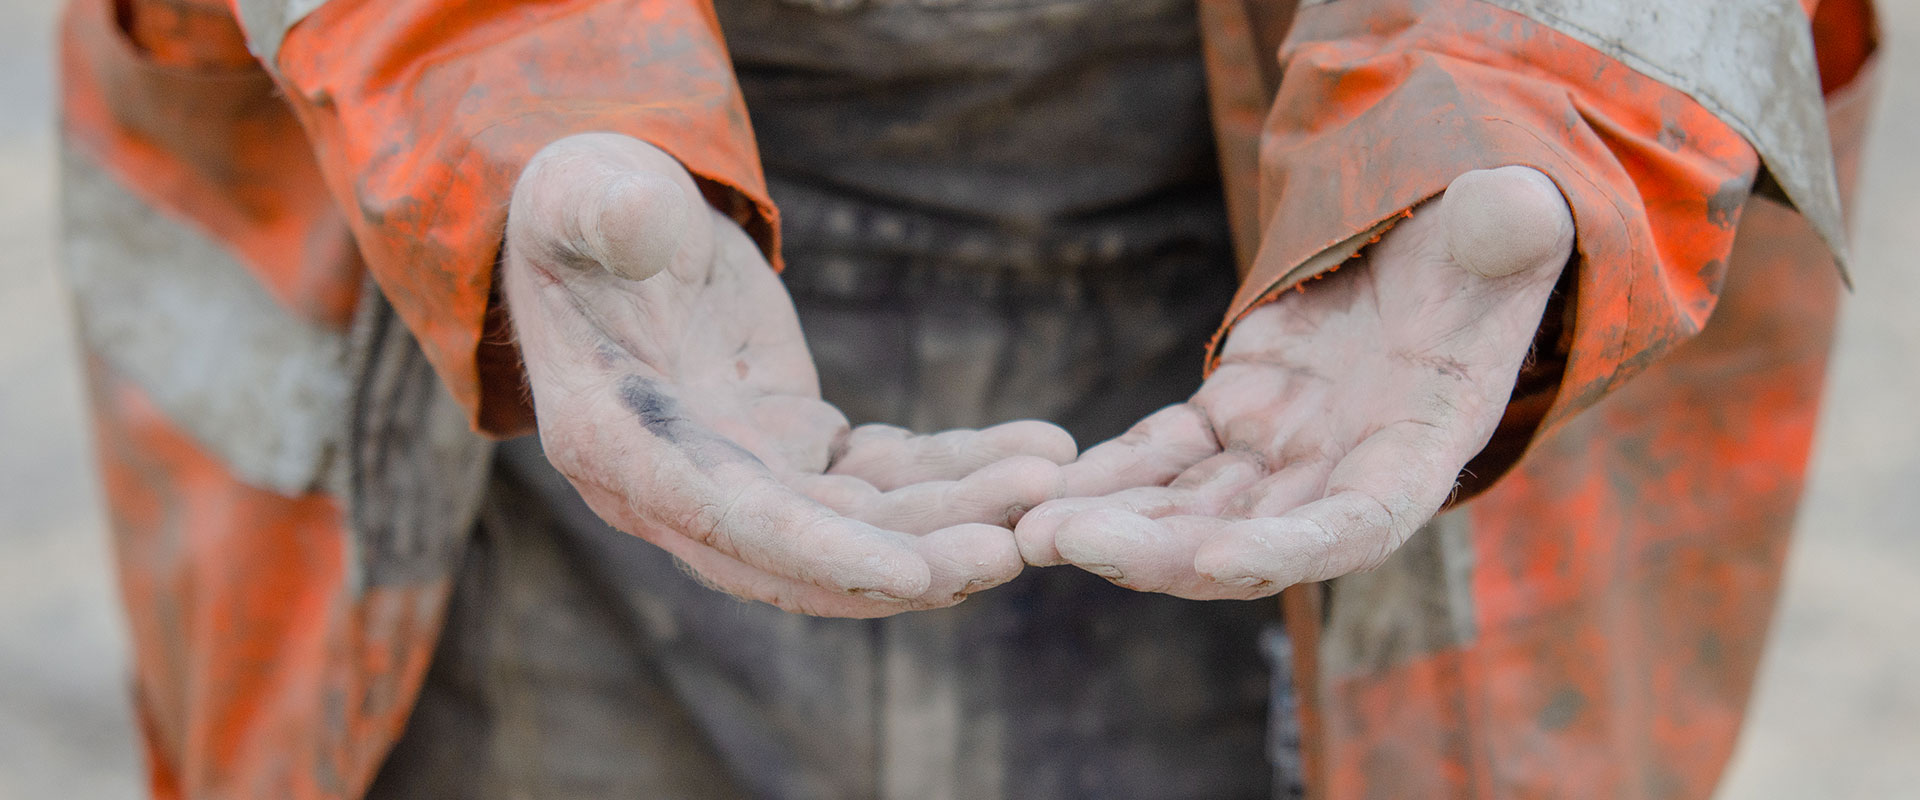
[1339, 417]
[673, 388]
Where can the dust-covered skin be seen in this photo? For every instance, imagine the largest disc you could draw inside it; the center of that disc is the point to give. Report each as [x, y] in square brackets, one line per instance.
[1339, 417]
[674, 390]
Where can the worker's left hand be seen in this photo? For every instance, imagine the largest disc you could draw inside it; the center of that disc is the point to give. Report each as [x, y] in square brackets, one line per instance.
[1339, 417]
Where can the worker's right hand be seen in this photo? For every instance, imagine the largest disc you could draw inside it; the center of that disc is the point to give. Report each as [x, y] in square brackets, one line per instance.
[672, 387]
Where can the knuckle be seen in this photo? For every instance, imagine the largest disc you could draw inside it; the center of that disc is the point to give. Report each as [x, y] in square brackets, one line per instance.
[704, 524]
[1325, 544]
[1379, 534]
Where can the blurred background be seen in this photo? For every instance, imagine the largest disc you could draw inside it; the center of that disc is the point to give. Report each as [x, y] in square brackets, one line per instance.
[1837, 714]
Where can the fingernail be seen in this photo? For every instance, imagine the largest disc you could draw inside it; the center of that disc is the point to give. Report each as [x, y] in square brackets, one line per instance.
[972, 586]
[876, 594]
[1107, 571]
[890, 573]
[1243, 582]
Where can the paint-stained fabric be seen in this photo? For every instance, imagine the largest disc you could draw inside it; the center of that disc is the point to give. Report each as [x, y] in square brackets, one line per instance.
[1751, 63]
[1621, 578]
[422, 121]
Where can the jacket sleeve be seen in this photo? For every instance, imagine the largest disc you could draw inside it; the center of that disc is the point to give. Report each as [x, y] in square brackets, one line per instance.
[1381, 103]
[423, 112]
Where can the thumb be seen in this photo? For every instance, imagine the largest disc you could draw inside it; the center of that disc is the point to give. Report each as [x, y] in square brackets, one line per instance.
[1502, 221]
[632, 226]
[601, 202]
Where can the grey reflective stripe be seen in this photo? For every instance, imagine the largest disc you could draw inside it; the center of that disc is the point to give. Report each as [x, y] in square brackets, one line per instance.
[169, 309]
[1749, 62]
[267, 21]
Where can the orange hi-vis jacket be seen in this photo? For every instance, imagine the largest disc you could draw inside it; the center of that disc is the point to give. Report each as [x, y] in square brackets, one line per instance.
[269, 203]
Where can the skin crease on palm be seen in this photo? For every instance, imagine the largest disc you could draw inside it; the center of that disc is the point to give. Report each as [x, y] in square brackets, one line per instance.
[674, 390]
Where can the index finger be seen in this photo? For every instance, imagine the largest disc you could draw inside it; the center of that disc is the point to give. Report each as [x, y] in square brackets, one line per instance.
[1151, 453]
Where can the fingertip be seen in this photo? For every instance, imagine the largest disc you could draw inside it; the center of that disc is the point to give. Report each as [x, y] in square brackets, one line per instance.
[889, 566]
[636, 225]
[1221, 564]
[981, 556]
[1043, 440]
[1022, 467]
[1034, 534]
[1026, 481]
[1506, 220]
[603, 200]
[1103, 539]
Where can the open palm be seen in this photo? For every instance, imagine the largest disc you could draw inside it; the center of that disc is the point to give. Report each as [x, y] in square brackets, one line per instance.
[1339, 416]
[673, 388]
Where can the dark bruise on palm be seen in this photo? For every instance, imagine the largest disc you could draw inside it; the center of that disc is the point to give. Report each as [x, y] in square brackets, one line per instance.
[656, 412]
[673, 388]
[660, 414]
